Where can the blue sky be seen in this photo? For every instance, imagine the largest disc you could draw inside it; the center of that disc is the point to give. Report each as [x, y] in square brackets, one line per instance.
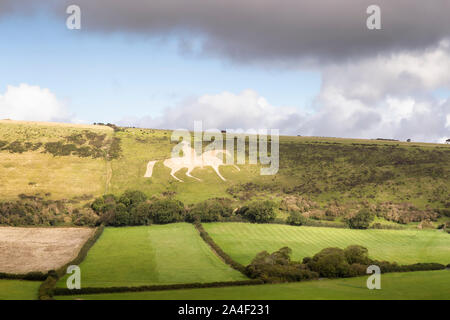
[107, 77]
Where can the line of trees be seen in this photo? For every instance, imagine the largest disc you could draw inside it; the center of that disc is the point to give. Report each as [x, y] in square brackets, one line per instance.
[134, 208]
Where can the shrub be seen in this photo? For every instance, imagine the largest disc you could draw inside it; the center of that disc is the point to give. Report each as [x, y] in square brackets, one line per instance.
[167, 211]
[115, 149]
[260, 212]
[85, 217]
[356, 254]
[296, 219]
[132, 198]
[141, 214]
[330, 263]
[278, 267]
[210, 210]
[16, 147]
[122, 216]
[361, 220]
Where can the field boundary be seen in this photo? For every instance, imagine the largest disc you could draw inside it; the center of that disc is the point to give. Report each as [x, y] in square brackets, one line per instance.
[49, 285]
[195, 285]
[30, 276]
[218, 250]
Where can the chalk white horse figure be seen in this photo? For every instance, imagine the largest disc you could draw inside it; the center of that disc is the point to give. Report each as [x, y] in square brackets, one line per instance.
[190, 160]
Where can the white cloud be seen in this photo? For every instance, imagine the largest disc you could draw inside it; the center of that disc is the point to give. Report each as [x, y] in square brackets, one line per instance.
[226, 110]
[387, 96]
[26, 102]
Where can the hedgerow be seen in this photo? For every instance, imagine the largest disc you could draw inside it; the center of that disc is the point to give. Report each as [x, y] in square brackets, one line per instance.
[226, 258]
[93, 290]
[30, 276]
[329, 262]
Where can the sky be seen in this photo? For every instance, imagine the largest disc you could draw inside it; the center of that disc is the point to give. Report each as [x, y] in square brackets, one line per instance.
[304, 67]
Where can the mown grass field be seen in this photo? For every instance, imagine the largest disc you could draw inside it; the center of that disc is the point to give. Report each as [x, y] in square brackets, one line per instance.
[428, 285]
[19, 290]
[160, 254]
[34, 172]
[242, 241]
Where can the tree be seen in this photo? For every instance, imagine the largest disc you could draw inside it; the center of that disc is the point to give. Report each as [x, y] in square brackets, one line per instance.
[356, 254]
[132, 198]
[122, 216]
[330, 263]
[361, 220]
[210, 210]
[296, 219]
[141, 215]
[260, 212]
[447, 141]
[167, 211]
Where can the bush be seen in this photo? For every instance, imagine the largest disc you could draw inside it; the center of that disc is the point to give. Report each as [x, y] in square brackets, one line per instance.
[115, 149]
[296, 219]
[210, 210]
[330, 263]
[277, 267]
[122, 216]
[260, 212]
[141, 214]
[132, 198]
[85, 217]
[167, 211]
[361, 220]
[357, 254]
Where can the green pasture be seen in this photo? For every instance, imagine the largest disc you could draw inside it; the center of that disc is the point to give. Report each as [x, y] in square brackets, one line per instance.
[159, 254]
[242, 241]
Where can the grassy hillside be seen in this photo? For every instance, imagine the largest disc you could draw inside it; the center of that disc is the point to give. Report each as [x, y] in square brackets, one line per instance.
[163, 254]
[28, 165]
[430, 285]
[18, 290]
[242, 241]
[322, 168]
[325, 178]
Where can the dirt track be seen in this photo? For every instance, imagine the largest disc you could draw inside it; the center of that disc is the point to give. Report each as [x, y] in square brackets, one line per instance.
[39, 249]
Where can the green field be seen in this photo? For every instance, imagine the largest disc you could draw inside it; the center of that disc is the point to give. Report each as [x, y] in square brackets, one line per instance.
[163, 254]
[18, 290]
[242, 241]
[394, 286]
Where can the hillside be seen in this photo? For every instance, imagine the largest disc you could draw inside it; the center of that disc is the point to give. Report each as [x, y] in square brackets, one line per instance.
[325, 178]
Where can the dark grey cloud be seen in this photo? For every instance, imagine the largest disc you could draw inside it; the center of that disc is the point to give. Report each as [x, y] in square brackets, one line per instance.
[270, 30]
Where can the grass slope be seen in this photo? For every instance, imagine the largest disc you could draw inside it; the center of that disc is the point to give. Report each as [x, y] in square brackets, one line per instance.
[163, 254]
[33, 172]
[429, 285]
[320, 167]
[18, 290]
[242, 241]
[140, 146]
